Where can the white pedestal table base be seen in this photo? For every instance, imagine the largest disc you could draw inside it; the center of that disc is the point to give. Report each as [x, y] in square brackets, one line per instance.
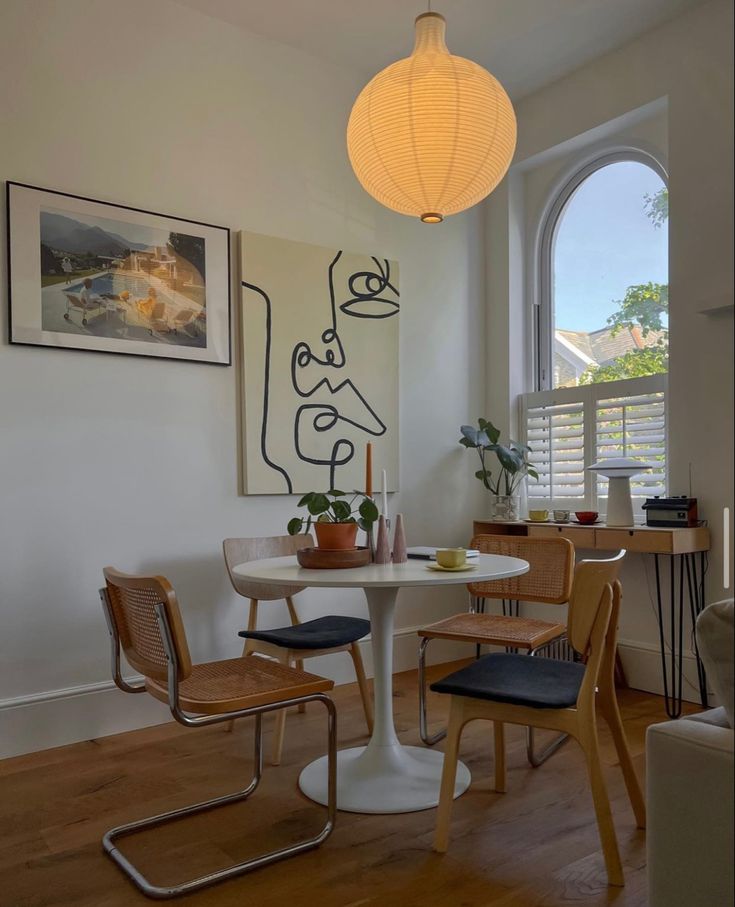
[372, 779]
[384, 776]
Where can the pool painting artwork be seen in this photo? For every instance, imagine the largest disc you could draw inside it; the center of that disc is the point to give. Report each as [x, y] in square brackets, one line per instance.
[116, 279]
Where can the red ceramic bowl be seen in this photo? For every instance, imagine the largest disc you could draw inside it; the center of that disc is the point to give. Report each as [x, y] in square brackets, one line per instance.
[586, 516]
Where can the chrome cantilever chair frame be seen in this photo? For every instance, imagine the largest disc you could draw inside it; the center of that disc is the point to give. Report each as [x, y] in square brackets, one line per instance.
[110, 838]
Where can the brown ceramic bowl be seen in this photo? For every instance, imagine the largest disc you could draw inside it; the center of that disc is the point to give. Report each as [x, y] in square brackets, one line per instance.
[586, 517]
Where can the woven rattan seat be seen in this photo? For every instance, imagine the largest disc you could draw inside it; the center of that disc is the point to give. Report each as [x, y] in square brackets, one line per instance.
[495, 630]
[239, 683]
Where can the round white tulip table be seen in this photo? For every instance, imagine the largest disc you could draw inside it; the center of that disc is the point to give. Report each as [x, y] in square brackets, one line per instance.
[384, 776]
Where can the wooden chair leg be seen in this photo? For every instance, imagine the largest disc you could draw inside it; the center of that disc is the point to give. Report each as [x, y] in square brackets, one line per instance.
[587, 737]
[300, 666]
[608, 703]
[449, 775]
[279, 728]
[230, 725]
[279, 731]
[367, 702]
[294, 615]
[499, 734]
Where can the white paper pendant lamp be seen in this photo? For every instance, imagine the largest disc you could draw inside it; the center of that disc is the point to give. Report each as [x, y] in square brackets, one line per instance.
[432, 134]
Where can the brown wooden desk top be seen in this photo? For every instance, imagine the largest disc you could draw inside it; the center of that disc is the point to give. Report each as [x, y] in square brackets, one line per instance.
[645, 539]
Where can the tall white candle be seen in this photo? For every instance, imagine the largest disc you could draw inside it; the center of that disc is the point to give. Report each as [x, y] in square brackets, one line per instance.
[384, 491]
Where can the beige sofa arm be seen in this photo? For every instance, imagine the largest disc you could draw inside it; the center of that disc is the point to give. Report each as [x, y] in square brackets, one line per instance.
[689, 792]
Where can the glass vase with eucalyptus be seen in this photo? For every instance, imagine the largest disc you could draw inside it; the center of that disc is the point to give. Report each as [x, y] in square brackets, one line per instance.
[502, 475]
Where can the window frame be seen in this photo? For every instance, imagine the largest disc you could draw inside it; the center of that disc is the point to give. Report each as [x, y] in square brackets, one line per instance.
[544, 321]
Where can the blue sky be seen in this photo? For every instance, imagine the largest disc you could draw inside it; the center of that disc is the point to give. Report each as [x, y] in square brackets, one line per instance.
[605, 243]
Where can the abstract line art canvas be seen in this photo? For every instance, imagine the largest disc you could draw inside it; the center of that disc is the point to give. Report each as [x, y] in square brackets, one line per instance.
[320, 366]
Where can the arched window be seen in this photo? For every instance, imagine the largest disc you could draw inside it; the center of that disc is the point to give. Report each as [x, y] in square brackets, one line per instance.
[602, 332]
[604, 287]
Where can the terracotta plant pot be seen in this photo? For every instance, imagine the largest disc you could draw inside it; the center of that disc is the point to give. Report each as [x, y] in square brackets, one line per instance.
[336, 536]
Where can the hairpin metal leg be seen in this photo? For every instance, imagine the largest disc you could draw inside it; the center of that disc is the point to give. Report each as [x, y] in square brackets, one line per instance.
[672, 673]
[428, 739]
[696, 605]
[164, 892]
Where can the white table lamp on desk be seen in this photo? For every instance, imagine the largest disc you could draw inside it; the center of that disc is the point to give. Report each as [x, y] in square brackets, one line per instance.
[619, 470]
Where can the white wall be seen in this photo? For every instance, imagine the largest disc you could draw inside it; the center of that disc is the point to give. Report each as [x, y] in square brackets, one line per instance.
[118, 460]
[685, 65]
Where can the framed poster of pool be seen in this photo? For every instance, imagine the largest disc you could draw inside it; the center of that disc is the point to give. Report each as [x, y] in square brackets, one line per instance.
[90, 275]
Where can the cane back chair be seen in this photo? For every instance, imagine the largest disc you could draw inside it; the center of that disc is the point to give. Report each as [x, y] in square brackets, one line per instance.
[548, 581]
[291, 645]
[558, 695]
[144, 620]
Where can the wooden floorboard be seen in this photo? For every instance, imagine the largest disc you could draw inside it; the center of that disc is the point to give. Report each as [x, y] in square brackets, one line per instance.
[536, 844]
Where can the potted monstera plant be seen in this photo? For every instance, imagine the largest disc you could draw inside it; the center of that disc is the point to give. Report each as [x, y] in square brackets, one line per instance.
[503, 478]
[336, 517]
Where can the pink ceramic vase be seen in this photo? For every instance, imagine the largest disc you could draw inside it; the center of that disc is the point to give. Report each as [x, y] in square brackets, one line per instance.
[382, 545]
[399, 541]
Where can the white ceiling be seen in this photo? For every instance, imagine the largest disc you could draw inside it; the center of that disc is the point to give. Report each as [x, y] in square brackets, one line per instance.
[525, 43]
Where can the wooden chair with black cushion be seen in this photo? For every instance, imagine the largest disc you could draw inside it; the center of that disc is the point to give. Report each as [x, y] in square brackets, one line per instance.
[144, 621]
[558, 695]
[548, 581]
[291, 645]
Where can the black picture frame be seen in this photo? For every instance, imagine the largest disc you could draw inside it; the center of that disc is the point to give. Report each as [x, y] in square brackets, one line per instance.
[218, 314]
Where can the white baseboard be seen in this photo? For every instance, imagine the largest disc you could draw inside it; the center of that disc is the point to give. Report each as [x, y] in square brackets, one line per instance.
[643, 671]
[59, 717]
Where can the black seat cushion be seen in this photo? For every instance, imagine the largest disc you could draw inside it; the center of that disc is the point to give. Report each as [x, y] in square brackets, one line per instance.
[322, 633]
[541, 683]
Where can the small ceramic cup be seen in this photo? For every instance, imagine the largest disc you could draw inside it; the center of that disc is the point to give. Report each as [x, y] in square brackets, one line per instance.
[451, 557]
[586, 517]
[538, 516]
[561, 516]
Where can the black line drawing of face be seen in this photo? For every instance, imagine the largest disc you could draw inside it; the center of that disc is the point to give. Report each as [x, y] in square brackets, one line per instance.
[328, 401]
[319, 376]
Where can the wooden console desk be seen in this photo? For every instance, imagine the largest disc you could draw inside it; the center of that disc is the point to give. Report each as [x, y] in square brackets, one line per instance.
[686, 550]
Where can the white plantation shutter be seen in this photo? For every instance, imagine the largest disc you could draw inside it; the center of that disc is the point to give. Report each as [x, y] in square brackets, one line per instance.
[634, 426]
[571, 427]
[555, 434]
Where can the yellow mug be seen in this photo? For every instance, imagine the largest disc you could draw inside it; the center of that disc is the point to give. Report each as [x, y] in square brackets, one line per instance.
[538, 516]
[451, 557]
